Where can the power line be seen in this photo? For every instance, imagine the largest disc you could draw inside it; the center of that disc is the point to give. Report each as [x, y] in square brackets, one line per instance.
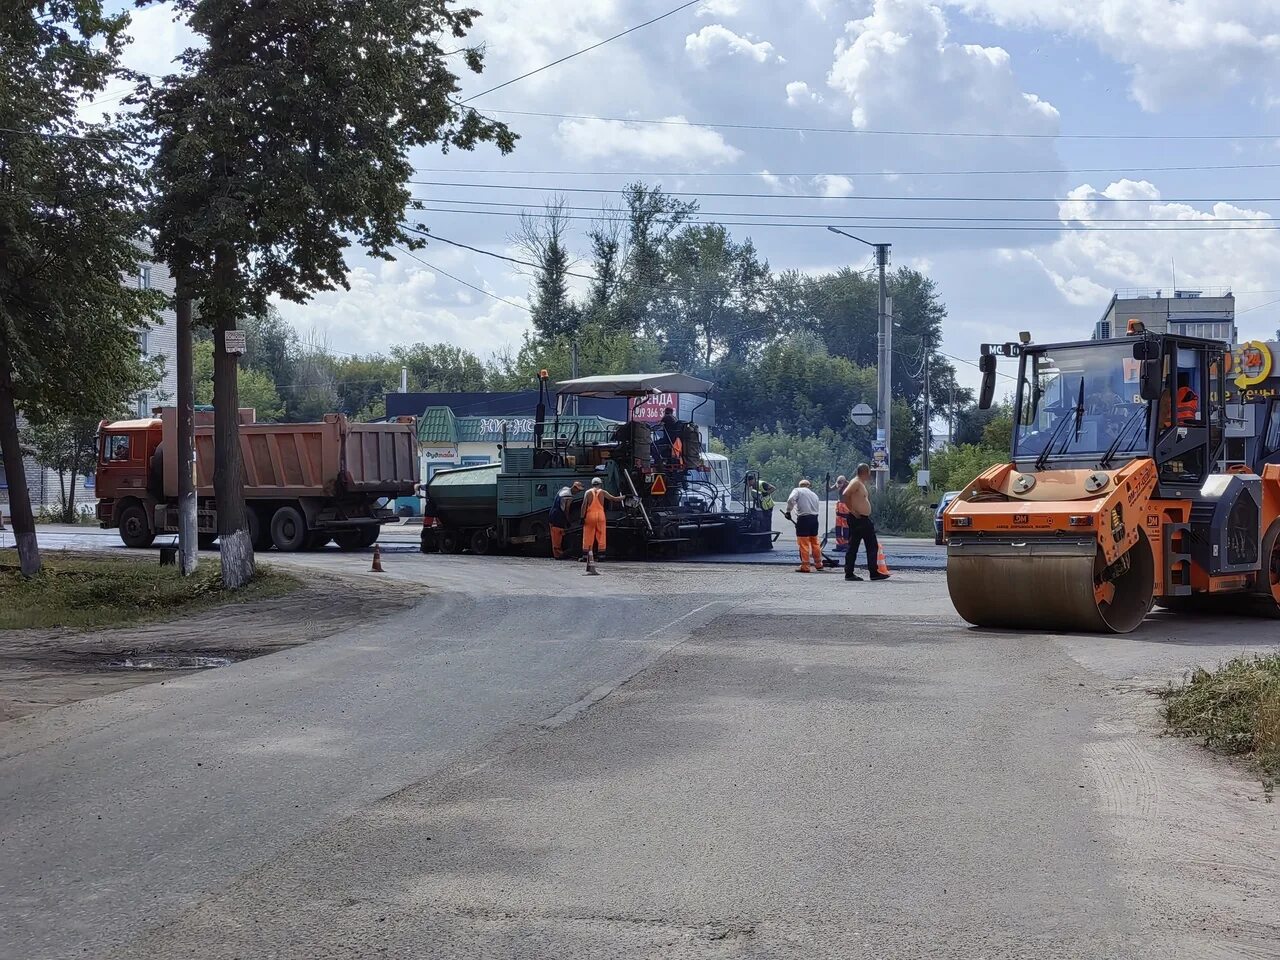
[858, 173]
[510, 303]
[1175, 227]
[827, 218]
[578, 53]
[680, 122]
[490, 253]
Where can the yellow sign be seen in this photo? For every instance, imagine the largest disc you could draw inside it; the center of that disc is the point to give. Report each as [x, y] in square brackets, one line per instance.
[1251, 363]
[659, 486]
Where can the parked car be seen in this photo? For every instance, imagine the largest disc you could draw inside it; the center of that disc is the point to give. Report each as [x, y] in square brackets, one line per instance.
[938, 507]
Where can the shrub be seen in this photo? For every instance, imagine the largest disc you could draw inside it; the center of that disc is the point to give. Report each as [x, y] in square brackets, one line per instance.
[901, 510]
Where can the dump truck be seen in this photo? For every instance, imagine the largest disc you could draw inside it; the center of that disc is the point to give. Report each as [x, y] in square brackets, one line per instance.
[304, 483]
[674, 497]
[1128, 485]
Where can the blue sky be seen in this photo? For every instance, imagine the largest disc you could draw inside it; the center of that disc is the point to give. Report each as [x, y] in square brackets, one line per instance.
[1111, 67]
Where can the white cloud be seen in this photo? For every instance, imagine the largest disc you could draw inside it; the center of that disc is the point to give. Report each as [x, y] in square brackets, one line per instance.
[799, 94]
[833, 185]
[900, 68]
[157, 39]
[1175, 48]
[403, 302]
[676, 140]
[1087, 263]
[716, 40]
[719, 8]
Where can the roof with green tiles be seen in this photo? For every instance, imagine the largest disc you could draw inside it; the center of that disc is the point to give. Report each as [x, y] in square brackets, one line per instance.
[438, 425]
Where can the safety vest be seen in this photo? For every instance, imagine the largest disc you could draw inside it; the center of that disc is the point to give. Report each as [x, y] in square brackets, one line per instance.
[766, 499]
[1188, 405]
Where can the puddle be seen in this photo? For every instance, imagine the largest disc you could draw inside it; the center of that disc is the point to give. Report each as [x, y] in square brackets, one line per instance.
[168, 661]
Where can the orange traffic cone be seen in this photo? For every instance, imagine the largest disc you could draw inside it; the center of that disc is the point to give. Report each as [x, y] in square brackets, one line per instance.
[881, 566]
[591, 564]
[377, 559]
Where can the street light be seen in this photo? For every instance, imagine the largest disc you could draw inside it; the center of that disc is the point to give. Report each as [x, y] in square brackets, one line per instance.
[884, 368]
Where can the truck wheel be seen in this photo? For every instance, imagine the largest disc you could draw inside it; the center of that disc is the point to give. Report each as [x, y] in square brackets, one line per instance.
[288, 530]
[349, 540]
[205, 541]
[481, 543]
[259, 537]
[317, 540]
[134, 529]
[369, 535]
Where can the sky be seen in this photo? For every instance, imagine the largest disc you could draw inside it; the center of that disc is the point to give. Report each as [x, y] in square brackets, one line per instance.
[1083, 120]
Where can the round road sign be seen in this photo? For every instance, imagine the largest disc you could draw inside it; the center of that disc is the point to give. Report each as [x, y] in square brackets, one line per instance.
[861, 415]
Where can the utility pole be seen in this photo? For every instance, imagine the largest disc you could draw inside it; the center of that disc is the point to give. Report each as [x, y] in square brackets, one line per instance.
[884, 358]
[184, 456]
[928, 432]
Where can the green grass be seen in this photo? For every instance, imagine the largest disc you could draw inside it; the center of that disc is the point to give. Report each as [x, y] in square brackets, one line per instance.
[83, 590]
[1234, 709]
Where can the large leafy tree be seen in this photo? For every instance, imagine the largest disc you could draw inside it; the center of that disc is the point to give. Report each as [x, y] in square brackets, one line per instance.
[67, 445]
[256, 389]
[280, 142]
[70, 229]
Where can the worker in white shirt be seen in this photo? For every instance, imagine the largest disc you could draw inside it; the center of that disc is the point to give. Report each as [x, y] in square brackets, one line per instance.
[804, 503]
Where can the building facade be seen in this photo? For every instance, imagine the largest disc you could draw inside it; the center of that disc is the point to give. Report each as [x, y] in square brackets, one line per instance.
[1207, 313]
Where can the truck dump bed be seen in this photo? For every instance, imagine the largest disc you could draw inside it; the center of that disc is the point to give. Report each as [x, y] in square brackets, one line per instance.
[288, 460]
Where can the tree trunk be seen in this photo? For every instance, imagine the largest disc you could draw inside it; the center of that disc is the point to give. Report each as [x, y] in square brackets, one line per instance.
[228, 472]
[24, 524]
[188, 535]
[70, 498]
[64, 507]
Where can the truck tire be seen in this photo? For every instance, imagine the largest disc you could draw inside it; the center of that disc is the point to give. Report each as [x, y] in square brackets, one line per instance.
[481, 543]
[259, 532]
[317, 540]
[288, 530]
[134, 530]
[369, 535]
[357, 539]
[205, 541]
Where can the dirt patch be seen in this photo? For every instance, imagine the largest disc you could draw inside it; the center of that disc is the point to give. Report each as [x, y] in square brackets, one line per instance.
[42, 669]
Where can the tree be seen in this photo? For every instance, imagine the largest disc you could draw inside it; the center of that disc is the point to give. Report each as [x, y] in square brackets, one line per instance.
[714, 299]
[280, 142]
[439, 367]
[541, 238]
[70, 228]
[272, 345]
[68, 445]
[313, 391]
[256, 388]
[652, 218]
[601, 349]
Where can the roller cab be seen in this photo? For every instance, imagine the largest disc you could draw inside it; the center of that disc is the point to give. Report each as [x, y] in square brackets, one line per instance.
[1117, 495]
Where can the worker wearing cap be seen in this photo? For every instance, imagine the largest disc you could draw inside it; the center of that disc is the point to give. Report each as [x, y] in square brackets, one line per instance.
[804, 503]
[593, 525]
[558, 517]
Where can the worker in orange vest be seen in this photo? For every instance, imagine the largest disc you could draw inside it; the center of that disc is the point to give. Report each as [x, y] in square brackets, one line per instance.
[593, 523]
[842, 514]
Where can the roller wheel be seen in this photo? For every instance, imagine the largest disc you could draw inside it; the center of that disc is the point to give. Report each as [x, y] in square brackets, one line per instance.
[134, 529]
[1266, 597]
[1051, 586]
[450, 542]
[481, 543]
[288, 530]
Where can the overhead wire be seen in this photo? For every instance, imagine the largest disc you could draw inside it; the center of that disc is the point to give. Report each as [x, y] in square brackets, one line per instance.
[432, 267]
[578, 53]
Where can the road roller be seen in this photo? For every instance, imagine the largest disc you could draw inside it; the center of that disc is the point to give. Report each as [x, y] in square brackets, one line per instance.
[1143, 471]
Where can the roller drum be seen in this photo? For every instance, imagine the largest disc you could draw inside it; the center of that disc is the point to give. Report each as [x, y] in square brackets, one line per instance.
[1047, 585]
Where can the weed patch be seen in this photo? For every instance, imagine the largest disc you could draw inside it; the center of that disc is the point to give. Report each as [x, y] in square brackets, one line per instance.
[78, 590]
[1234, 709]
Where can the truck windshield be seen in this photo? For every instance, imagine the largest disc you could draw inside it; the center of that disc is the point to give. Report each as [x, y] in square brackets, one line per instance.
[1050, 390]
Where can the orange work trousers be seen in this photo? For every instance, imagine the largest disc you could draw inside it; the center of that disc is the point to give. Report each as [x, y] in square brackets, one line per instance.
[557, 542]
[810, 552]
[593, 532]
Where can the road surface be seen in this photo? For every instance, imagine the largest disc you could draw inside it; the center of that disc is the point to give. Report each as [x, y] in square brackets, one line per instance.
[684, 762]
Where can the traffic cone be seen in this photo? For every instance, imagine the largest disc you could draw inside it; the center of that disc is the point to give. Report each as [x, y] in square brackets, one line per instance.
[881, 566]
[591, 564]
[377, 559]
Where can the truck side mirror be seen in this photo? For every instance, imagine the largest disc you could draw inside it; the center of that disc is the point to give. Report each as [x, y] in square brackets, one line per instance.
[987, 364]
[1146, 350]
[1151, 384]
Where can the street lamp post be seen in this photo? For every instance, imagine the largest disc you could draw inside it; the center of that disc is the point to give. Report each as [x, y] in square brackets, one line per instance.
[884, 357]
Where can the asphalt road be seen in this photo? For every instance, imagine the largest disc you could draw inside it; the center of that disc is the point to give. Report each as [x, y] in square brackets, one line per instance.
[683, 762]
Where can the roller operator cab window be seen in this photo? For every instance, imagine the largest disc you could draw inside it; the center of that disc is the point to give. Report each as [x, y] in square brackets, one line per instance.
[117, 449]
[1080, 403]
